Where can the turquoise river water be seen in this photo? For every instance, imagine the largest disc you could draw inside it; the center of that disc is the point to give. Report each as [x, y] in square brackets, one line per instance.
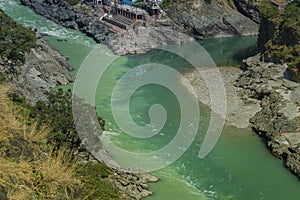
[240, 167]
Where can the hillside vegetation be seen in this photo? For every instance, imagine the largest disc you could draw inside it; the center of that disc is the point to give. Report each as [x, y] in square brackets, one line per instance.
[34, 166]
[280, 34]
[73, 2]
[15, 40]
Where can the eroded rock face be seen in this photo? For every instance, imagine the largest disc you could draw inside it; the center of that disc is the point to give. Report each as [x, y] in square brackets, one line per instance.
[43, 70]
[248, 8]
[205, 20]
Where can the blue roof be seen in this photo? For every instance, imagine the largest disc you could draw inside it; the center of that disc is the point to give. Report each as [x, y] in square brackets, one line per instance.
[128, 2]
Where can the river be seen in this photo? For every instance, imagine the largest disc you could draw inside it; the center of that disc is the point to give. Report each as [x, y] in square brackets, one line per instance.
[240, 167]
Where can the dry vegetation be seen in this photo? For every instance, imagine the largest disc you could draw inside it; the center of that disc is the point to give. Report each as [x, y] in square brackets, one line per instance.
[33, 174]
[33, 167]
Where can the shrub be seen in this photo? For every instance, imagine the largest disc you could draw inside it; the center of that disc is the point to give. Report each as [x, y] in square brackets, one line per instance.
[15, 41]
[73, 2]
[284, 47]
[268, 11]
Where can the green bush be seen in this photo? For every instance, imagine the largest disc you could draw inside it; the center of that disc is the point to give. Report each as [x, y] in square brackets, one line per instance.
[96, 183]
[140, 4]
[165, 4]
[58, 112]
[291, 16]
[2, 78]
[284, 47]
[15, 40]
[73, 2]
[269, 11]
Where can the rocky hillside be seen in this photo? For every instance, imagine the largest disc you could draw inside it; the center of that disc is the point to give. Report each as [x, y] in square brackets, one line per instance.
[279, 35]
[28, 63]
[215, 18]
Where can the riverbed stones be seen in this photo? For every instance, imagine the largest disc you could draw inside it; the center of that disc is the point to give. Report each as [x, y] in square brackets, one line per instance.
[133, 186]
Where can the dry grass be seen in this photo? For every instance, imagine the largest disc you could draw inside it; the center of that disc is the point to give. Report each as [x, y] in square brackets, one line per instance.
[17, 177]
[46, 176]
[34, 134]
[44, 179]
[8, 121]
[60, 174]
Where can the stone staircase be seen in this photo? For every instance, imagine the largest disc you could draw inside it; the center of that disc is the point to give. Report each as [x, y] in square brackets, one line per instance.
[124, 20]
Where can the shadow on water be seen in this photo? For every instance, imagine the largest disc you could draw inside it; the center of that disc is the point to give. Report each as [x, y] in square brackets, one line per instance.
[230, 51]
[245, 53]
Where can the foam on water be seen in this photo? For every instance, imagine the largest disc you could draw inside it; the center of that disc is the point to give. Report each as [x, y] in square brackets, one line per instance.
[27, 17]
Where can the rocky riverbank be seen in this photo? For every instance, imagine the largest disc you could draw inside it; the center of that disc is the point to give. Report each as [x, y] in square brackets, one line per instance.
[279, 118]
[81, 17]
[133, 186]
[269, 101]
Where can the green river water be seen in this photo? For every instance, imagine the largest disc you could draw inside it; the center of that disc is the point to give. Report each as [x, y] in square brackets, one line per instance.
[240, 167]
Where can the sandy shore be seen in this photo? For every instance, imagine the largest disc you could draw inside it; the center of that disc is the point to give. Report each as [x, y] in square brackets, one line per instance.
[238, 112]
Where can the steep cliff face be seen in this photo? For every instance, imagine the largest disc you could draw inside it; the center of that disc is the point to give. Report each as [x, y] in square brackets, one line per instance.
[43, 70]
[248, 8]
[204, 19]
